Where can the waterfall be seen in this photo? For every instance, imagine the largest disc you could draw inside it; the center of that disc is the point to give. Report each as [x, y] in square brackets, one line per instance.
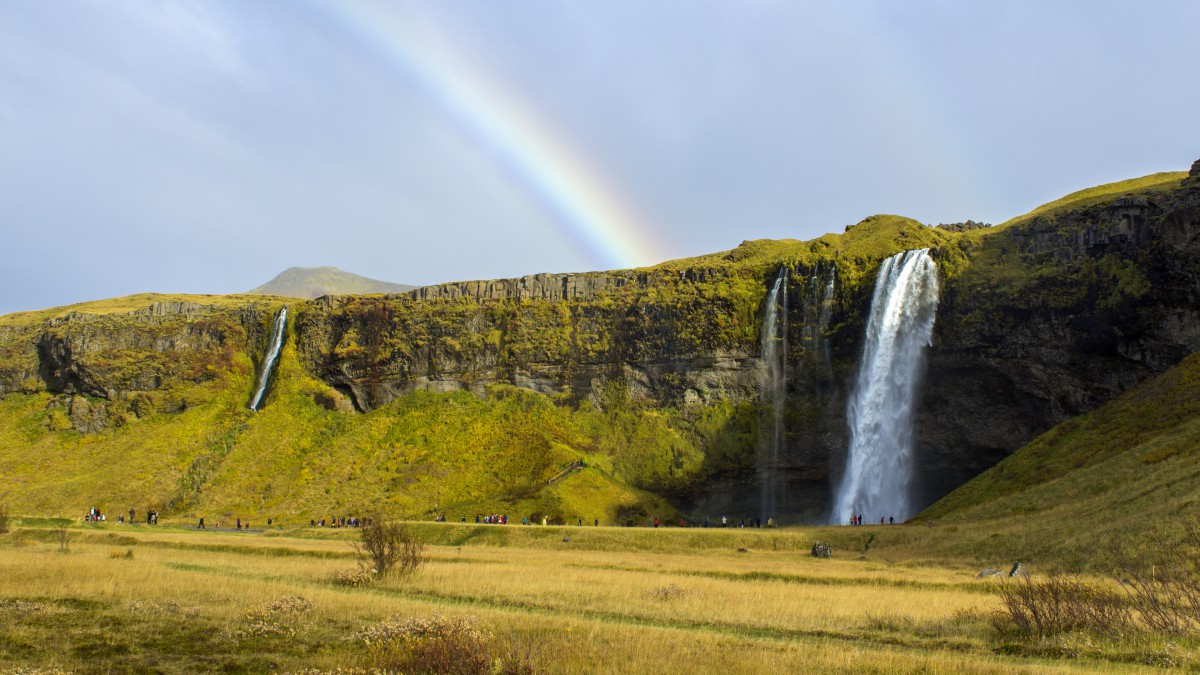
[818, 310]
[880, 410]
[269, 360]
[774, 353]
[823, 318]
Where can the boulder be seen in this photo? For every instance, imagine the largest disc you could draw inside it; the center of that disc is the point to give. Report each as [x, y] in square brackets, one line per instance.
[822, 550]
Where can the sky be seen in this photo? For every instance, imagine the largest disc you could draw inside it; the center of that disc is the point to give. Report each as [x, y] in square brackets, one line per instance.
[204, 147]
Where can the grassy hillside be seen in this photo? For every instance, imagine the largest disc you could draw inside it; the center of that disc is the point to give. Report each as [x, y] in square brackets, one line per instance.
[1146, 185]
[453, 453]
[175, 382]
[1109, 475]
[313, 282]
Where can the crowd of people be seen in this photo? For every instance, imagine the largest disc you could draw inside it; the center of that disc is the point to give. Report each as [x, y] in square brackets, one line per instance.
[93, 515]
[857, 519]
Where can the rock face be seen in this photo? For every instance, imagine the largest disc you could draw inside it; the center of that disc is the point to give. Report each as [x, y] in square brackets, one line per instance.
[104, 366]
[1040, 321]
[554, 334]
[1053, 318]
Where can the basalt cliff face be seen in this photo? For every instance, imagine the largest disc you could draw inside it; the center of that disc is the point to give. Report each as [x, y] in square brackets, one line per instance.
[1040, 320]
[1054, 316]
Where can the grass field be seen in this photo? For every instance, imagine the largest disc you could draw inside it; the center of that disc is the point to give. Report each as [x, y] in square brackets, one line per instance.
[565, 599]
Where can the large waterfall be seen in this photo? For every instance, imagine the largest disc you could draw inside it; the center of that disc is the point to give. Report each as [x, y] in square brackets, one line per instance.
[269, 359]
[774, 353]
[880, 410]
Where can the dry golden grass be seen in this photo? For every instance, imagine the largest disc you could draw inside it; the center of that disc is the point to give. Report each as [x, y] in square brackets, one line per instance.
[137, 599]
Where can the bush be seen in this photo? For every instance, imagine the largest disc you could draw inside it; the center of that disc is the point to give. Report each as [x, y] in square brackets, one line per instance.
[359, 576]
[387, 547]
[1061, 604]
[1162, 580]
[5, 521]
[438, 644]
[281, 618]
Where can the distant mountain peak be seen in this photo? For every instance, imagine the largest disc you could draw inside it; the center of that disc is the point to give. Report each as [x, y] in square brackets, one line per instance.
[313, 282]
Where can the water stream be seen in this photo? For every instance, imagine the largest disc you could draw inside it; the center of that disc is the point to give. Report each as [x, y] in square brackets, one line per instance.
[880, 410]
[272, 355]
[774, 336]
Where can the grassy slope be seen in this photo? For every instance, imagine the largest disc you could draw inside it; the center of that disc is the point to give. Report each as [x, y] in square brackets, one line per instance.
[295, 458]
[455, 452]
[1093, 195]
[1108, 475]
[459, 453]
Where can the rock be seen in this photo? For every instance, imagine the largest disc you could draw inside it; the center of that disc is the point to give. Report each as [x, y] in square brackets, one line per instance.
[86, 417]
[822, 550]
[334, 401]
[989, 572]
[1195, 172]
[1016, 570]
[963, 227]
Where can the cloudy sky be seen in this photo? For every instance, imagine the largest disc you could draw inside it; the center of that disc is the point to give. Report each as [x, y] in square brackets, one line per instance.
[203, 147]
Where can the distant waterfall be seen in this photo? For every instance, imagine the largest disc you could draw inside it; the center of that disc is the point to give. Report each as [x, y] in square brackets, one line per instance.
[269, 360]
[818, 310]
[774, 353]
[880, 411]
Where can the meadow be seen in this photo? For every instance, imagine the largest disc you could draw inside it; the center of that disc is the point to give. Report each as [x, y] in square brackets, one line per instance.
[122, 598]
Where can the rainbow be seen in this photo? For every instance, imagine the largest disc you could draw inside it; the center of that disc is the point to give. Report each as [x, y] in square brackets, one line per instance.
[545, 165]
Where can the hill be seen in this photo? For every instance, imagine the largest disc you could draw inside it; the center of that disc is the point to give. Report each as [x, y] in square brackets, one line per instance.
[1109, 475]
[313, 282]
[470, 397]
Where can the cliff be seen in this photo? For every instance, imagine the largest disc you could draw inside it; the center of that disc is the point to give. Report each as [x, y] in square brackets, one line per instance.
[655, 374]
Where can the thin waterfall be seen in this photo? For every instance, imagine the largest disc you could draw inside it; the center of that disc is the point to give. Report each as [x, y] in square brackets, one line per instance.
[269, 360]
[774, 353]
[818, 310]
[880, 411]
[823, 318]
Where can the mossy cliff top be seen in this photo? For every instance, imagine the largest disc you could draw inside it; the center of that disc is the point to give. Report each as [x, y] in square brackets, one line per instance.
[652, 375]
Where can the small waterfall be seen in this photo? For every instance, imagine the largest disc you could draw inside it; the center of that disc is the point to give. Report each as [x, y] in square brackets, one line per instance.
[774, 353]
[880, 410]
[818, 310]
[269, 360]
[823, 318]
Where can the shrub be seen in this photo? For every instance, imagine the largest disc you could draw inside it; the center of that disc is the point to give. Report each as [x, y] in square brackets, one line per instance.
[5, 521]
[1161, 580]
[1060, 604]
[387, 547]
[438, 644]
[359, 576]
[279, 618]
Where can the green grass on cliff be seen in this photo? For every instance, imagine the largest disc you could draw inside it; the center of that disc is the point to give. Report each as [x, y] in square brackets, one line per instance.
[131, 303]
[1109, 475]
[1146, 185]
[295, 459]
